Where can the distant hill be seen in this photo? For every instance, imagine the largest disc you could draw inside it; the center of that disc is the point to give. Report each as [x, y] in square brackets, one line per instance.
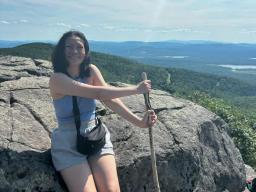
[181, 81]
[172, 52]
[32, 50]
[11, 44]
[166, 52]
[200, 56]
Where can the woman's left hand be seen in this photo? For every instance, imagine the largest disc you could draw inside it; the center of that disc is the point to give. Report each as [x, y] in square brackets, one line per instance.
[149, 119]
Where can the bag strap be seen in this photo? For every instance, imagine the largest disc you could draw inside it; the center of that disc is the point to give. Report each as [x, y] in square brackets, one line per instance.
[76, 113]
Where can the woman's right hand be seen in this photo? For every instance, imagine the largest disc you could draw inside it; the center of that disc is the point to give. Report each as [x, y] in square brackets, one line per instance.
[144, 86]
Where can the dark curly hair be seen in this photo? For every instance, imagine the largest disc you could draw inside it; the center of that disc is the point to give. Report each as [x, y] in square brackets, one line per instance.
[59, 62]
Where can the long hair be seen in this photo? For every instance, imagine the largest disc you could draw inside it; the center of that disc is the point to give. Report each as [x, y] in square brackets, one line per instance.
[59, 62]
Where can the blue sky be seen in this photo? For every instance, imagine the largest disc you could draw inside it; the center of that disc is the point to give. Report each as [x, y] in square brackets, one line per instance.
[117, 20]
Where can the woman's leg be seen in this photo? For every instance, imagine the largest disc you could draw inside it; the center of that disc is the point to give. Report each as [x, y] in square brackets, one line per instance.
[78, 178]
[104, 172]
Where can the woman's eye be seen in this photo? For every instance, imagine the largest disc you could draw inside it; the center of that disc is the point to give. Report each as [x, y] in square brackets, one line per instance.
[79, 48]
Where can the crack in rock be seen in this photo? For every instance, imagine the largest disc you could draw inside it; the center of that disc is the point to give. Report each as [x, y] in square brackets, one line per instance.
[37, 63]
[24, 144]
[177, 108]
[12, 100]
[3, 69]
[11, 115]
[161, 94]
[18, 89]
[8, 78]
[123, 139]
[157, 110]
[37, 72]
[12, 64]
[110, 112]
[2, 100]
[176, 141]
[36, 117]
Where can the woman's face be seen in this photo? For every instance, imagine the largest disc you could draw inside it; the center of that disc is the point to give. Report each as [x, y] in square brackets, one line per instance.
[74, 50]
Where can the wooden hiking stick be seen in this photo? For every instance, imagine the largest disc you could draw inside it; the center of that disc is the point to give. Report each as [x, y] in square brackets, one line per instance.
[151, 139]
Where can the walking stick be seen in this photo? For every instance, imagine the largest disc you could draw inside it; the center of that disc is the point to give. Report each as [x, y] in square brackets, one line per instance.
[152, 150]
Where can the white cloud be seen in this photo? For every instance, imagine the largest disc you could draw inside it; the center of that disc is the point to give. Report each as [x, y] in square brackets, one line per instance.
[13, 22]
[63, 25]
[4, 22]
[23, 21]
[84, 25]
[127, 29]
[247, 31]
[108, 27]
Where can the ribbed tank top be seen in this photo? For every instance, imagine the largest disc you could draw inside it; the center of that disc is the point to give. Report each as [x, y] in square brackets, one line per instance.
[64, 107]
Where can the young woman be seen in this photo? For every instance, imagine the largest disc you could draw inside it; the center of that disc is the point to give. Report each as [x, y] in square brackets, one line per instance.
[74, 75]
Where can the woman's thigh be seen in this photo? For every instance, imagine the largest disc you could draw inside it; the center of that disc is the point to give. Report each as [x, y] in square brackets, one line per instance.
[79, 178]
[104, 172]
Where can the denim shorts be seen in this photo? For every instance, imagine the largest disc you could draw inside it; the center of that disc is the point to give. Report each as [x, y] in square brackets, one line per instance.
[63, 146]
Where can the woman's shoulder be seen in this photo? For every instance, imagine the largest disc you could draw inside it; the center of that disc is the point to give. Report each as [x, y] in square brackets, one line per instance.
[94, 70]
[96, 76]
[55, 75]
[93, 67]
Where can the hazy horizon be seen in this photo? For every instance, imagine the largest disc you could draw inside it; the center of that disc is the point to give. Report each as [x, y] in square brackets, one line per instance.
[123, 41]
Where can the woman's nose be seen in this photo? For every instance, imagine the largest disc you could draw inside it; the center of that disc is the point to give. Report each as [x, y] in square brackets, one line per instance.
[74, 50]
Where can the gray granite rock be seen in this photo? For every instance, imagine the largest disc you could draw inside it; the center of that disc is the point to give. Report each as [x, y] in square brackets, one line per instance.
[193, 149]
[12, 67]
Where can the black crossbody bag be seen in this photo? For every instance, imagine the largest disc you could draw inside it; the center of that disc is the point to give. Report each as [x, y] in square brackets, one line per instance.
[94, 140]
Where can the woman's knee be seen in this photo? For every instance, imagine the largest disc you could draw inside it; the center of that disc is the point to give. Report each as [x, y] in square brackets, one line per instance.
[112, 188]
[79, 178]
[105, 173]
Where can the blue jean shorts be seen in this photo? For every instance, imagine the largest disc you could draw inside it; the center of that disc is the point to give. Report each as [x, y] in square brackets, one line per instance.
[63, 146]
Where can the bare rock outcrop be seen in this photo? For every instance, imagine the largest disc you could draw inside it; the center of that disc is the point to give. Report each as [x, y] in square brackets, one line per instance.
[193, 149]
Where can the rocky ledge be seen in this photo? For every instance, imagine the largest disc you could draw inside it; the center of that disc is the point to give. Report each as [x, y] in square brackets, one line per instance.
[193, 148]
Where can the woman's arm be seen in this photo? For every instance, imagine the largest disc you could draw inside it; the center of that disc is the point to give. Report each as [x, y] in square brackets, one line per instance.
[62, 84]
[117, 105]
